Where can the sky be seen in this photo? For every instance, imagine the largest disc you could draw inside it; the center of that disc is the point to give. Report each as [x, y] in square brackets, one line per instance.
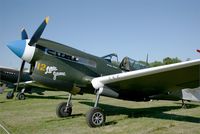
[133, 28]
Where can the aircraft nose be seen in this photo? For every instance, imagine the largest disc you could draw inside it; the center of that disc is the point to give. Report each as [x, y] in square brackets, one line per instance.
[17, 47]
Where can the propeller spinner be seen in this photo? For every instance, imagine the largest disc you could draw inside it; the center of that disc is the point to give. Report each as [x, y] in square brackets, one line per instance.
[25, 48]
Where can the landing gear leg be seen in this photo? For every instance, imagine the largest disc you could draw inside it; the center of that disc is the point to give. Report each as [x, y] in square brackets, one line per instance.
[21, 95]
[64, 109]
[183, 104]
[95, 116]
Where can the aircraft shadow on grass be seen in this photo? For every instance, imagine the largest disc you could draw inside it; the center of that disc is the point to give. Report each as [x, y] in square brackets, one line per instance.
[70, 117]
[151, 112]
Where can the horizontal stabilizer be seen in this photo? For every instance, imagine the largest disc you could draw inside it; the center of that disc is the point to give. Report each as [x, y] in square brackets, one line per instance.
[191, 94]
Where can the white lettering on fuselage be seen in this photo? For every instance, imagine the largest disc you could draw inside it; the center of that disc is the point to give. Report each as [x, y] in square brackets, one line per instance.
[50, 69]
[53, 70]
[55, 74]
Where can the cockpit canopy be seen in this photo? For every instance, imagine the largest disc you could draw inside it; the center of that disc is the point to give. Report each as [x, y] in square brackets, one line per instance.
[127, 64]
[113, 58]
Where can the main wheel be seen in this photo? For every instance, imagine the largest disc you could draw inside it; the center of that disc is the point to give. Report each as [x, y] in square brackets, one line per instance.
[95, 117]
[10, 95]
[64, 111]
[21, 96]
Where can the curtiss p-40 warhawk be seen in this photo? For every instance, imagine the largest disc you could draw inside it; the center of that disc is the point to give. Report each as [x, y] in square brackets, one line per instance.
[60, 67]
[9, 78]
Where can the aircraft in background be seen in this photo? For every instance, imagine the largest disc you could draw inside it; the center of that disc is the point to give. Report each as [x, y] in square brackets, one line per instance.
[64, 68]
[2, 87]
[8, 78]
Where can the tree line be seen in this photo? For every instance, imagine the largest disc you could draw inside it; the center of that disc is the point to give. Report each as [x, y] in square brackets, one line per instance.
[165, 61]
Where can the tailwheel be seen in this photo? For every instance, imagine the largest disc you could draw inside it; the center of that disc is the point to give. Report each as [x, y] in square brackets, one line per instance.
[10, 95]
[21, 96]
[95, 117]
[64, 110]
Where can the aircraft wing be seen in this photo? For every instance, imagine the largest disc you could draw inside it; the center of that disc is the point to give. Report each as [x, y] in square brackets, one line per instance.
[151, 81]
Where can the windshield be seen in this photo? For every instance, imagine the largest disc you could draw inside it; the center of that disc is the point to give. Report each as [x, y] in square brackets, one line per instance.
[113, 58]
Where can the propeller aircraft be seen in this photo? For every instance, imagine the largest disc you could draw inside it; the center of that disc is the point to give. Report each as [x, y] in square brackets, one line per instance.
[63, 68]
[8, 78]
[2, 88]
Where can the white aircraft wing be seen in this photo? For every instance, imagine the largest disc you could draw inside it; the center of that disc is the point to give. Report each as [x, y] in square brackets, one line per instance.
[150, 81]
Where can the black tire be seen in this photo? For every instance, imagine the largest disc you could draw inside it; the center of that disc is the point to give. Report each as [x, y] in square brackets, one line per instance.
[95, 117]
[10, 95]
[21, 96]
[63, 111]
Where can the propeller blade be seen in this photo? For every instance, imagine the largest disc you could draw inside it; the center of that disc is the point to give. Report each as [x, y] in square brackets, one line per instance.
[19, 76]
[39, 32]
[24, 34]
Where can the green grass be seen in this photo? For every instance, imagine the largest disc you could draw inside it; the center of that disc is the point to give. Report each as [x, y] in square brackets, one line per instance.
[36, 115]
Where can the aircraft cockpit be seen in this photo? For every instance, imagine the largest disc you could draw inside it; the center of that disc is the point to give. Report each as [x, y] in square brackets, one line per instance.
[129, 64]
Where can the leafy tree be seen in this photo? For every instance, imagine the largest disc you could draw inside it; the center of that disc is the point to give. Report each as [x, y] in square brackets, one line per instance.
[143, 62]
[165, 61]
[155, 64]
[169, 60]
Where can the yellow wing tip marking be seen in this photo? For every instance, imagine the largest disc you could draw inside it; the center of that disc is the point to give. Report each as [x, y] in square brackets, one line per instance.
[47, 19]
